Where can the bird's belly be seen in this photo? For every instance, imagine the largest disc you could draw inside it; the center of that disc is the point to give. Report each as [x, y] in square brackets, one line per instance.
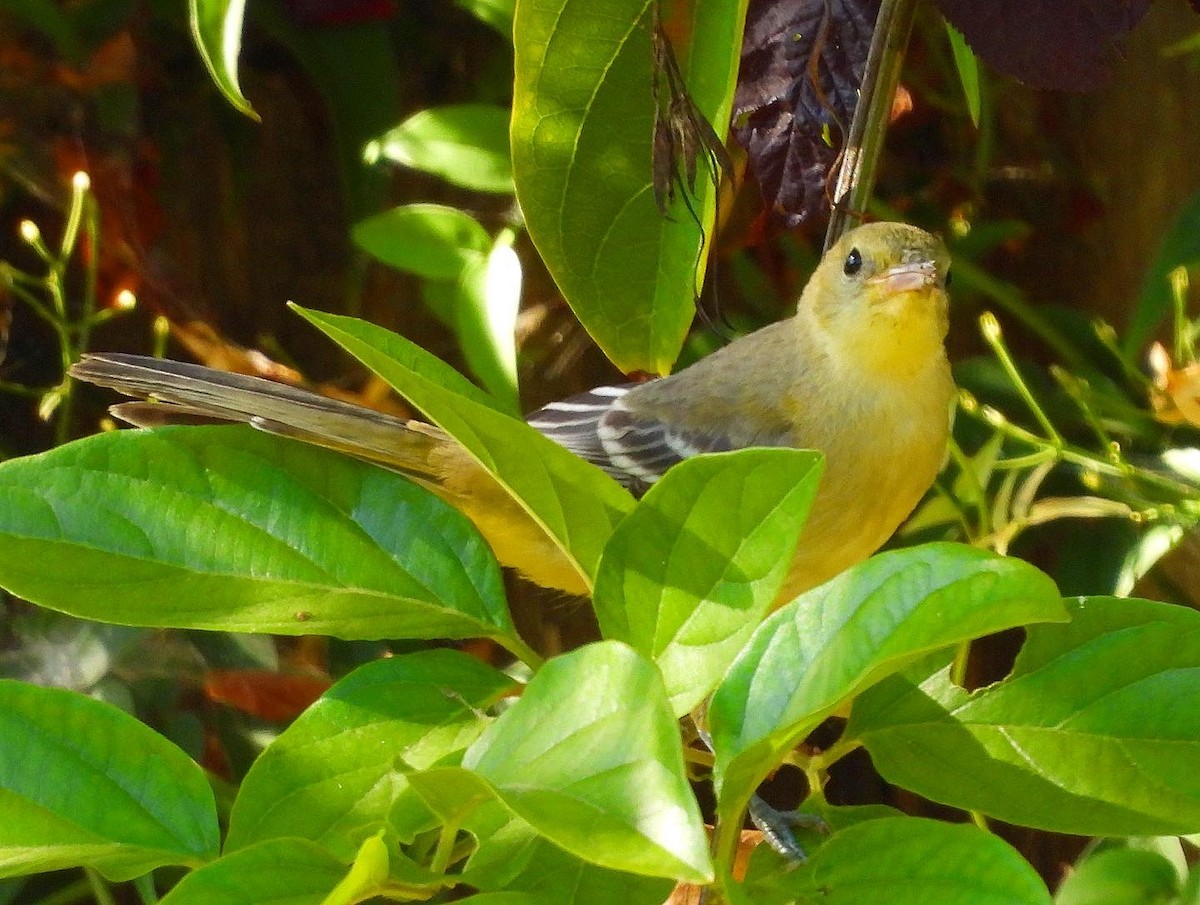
[864, 495]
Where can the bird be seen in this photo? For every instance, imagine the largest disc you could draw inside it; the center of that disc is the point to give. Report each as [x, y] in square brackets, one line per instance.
[858, 373]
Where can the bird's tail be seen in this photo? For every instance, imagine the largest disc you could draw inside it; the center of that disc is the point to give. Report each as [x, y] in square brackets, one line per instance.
[188, 393]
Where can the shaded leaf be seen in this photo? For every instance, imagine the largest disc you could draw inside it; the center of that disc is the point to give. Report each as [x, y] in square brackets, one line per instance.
[802, 67]
[968, 71]
[1066, 45]
[1095, 732]
[496, 13]
[85, 784]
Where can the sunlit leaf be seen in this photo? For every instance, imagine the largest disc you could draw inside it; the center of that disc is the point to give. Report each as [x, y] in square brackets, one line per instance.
[85, 784]
[1088, 735]
[217, 31]
[466, 144]
[227, 528]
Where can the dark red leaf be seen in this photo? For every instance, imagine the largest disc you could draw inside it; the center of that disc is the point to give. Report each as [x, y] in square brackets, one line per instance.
[802, 66]
[268, 695]
[1066, 45]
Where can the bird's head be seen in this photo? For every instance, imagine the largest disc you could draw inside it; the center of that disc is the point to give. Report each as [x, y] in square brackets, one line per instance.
[879, 297]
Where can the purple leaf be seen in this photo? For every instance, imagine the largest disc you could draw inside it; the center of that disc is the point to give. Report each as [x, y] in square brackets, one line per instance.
[1066, 45]
[802, 66]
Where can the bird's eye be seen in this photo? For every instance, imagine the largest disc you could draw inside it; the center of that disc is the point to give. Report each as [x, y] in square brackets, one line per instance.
[947, 283]
[853, 263]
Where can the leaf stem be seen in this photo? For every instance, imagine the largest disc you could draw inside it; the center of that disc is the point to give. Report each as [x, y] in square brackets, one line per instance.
[864, 141]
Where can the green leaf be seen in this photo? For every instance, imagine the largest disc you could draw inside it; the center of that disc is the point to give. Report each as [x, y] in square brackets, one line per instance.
[281, 871]
[227, 528]
[496, 13]
[481, 307]
[334, 775]
[689, 574]
[368, 874]
[837, 640]
[512, 857]
[1180, 248]
[968, 70]
[583, 123]
[85, 784]
[465, 144]
[1120, 876]
[906, 861]
[590, 757]
[217, 31]
[430, 240]
[573, 503]
[1096, 732]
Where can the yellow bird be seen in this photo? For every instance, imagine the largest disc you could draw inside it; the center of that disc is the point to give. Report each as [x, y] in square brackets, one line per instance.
[859, 373]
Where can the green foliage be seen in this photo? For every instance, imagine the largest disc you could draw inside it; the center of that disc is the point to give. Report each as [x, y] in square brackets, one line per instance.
[466, 145]
[402, 775]
[582, 128]
[263, 537]
[430, 774]
[84, 783]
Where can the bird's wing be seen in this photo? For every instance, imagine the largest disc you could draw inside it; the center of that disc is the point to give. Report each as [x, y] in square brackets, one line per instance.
[599, 427]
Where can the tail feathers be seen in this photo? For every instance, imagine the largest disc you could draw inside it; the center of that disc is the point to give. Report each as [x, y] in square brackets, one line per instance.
[191, 394]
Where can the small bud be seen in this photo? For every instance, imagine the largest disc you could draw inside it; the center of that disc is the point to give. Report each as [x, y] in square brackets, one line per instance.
[30, 232]
[992, 416]
[81, 181]
[990, 327]
[125, 300]
[1090, 479]
[1105, 331]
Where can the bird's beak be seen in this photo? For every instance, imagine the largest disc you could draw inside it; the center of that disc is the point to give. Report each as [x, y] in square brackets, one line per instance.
[905, 278]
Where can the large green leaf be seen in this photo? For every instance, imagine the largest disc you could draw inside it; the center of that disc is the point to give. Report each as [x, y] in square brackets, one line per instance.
[280, 871]
[1096, 732]
[574, 503]
[688, 575]
[334, 775]
[227, 528]
[582, 129]
[905, 861]
[590, 757]
[837, 640]
[85, 784]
